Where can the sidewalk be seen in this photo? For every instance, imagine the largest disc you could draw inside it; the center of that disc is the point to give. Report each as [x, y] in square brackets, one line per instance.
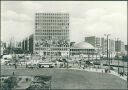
[101, 71]
[116, 74]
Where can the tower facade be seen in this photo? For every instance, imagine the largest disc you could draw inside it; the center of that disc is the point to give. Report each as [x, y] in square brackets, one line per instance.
[51, 35]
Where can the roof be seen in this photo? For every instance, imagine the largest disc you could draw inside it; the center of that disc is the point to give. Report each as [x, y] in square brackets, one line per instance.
[83, 45]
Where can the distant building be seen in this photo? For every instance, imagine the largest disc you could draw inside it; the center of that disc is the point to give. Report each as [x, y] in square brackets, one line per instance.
[31, 41]
[27, 44]
[19, 45]
[51, 35]
[95, 41]
[126, 47]
[100, 44]
[119, 46]
[111, 47]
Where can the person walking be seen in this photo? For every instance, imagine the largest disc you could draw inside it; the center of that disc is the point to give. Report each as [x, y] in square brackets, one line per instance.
[102, 72]
[15, 66]
[26, 65]
[13, 73]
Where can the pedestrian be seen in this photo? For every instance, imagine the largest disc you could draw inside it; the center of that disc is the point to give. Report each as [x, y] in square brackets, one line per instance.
[105, 70]
[73, 63]
[56, 65]
[26, 65]
[102, 72]
[15, 66]
[13, 73]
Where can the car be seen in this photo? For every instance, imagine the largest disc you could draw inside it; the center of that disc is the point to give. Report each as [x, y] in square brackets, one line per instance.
[11, 64]
[32, 66]
[45, 65]
[89, 63]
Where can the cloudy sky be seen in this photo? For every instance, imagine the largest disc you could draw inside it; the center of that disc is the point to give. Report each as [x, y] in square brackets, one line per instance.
[86, 18]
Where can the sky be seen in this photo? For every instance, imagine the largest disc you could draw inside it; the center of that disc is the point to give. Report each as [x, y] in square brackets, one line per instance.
[87, 18]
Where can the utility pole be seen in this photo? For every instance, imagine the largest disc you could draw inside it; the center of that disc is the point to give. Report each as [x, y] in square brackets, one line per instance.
[117, 53]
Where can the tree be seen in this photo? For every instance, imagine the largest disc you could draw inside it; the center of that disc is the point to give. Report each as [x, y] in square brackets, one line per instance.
[10, 83]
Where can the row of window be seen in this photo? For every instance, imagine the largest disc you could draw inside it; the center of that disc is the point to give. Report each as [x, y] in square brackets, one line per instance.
[47, 26]
[42, 23]
[51, 27]
[78, 53]
[87, 51]
[40, 37]
[57, 49]
[64, 46]
[39, 20]
[52, 17]
[81, 49]
[51, 33]
[52, 14]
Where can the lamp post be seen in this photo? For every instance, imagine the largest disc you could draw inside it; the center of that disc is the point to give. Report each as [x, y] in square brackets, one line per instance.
[107, 35]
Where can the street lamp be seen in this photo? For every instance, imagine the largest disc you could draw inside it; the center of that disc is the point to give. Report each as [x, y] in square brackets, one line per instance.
[107, 35]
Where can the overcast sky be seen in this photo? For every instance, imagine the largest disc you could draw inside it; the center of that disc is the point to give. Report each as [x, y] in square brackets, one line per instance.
[86, 18]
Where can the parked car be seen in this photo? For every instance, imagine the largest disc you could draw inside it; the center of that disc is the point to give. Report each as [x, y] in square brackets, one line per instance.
[96, 62]
[32, 66]
[89, 63]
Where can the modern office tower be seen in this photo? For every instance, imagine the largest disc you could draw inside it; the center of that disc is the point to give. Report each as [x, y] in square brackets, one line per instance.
[51, 37]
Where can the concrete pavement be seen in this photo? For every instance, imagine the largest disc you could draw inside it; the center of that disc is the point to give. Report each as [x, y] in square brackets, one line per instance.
[101, 71]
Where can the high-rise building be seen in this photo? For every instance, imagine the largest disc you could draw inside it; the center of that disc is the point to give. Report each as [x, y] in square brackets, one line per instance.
[111, 47]
[51, 35]
[103, 45]
[119, 46]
